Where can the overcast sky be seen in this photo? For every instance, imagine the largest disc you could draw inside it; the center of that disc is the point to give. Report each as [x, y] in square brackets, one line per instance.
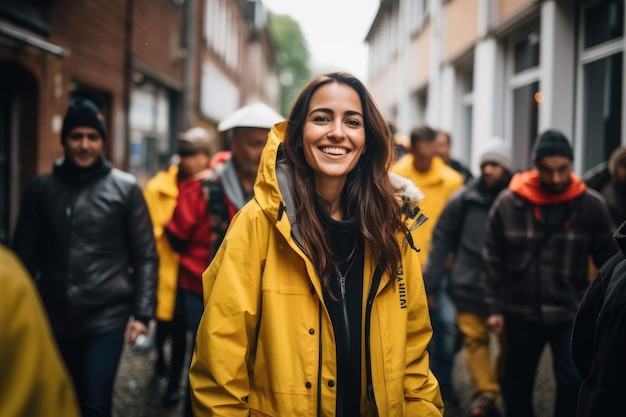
[335, 31]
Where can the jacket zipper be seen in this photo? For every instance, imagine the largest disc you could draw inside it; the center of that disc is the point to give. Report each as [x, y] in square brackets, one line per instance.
[342, 285]
[346, 325]
[368, 315]
[344, 304]
[69, 213]
[319, 362]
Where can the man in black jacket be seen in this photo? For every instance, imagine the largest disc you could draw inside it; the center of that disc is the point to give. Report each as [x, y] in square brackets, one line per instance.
[460, 231]
[599, 337]
[85, 234]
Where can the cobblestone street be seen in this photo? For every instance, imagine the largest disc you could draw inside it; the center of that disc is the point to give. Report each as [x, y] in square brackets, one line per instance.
[543, 394]
[138, 392]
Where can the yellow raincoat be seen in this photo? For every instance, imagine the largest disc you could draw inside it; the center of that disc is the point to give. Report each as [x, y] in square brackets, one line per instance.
[35, 381]
[160, 194]
[438, 184]
[265, 345]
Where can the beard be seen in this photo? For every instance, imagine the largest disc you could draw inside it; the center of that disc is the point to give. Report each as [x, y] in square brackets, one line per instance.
[554, 188]
[498, 185]
[251, 169]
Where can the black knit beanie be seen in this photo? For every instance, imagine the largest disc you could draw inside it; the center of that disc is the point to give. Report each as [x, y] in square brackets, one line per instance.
[552, 143]
[83, 112]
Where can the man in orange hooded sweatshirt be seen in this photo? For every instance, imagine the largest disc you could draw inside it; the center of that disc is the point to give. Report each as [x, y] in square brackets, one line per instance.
[541, 232]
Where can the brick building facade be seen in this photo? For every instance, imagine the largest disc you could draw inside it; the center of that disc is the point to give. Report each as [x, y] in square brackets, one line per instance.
[155, 67]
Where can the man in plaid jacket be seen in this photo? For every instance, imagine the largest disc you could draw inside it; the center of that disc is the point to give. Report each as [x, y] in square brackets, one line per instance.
[541, 232]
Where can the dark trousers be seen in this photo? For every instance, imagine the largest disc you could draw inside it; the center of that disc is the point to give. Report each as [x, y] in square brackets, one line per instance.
[177, 331]
[194, 307]
[524, 344]
[92, 361]
[446, 340]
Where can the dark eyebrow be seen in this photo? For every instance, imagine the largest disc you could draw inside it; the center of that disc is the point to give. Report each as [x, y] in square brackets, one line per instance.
[329, 111]
[353, 113]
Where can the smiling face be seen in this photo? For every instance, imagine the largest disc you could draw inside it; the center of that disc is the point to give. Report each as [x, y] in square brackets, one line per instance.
[83, 146]
[333, 134]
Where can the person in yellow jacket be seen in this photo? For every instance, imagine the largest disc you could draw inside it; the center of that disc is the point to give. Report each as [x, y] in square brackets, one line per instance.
[195, 148]
[430, 173]
[34, 379]
[315, 303]
[438, 182]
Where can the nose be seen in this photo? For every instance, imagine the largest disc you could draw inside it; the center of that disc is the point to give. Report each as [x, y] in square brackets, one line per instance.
[257, 156]
[336, 130]
[84, 142]
[556, 178]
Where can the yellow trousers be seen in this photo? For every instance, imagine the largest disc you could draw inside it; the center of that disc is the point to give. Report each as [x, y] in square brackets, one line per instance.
[478, 354]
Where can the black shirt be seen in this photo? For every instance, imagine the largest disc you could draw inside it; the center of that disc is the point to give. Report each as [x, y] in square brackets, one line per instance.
[346, 310]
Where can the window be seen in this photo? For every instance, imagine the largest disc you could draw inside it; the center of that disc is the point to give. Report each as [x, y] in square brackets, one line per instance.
[419, 12]
[210, 13]
[523, 95]
[526, 52]
[150, 130]
[468, 81]
[221, 31]
[602, 108]
[464, 125]
[525, 122]
[419, 106]
[604, 22]
[602, 62]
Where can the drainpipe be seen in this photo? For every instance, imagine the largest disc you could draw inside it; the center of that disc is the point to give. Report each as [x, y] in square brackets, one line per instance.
[128, 80]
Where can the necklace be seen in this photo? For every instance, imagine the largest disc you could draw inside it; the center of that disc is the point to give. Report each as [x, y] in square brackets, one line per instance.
[342, 281]
[351, 258]
[343, 276]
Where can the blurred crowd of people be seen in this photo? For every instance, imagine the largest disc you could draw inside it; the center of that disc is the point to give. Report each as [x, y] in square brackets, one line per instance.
[322, 265]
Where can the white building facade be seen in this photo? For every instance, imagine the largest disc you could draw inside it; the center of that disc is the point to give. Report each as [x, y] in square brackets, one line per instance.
[507, 68]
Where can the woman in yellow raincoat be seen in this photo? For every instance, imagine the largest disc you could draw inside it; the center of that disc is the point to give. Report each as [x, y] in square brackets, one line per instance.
[315, 304]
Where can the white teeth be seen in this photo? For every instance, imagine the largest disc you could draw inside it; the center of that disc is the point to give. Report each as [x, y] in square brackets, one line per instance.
[334, 151]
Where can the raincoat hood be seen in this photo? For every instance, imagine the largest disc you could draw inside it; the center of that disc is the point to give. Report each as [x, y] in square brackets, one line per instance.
[526, 185]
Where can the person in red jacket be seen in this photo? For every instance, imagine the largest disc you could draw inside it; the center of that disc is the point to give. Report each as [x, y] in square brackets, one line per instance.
[208, 201]
[191, 229]
[161, 194]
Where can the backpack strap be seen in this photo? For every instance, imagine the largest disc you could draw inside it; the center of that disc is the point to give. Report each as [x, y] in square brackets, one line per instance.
[217, 209]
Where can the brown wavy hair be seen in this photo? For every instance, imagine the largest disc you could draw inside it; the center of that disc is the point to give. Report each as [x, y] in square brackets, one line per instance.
[368, 195]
